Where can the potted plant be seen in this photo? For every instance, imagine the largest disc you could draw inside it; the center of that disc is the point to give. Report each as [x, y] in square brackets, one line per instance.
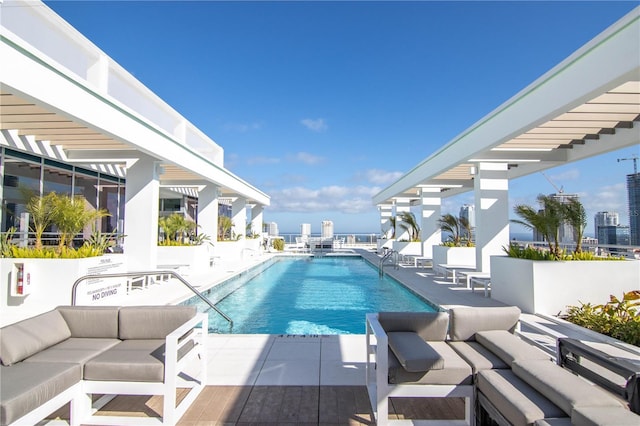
[179, 246]
[457, 249]
[412, 247]
[37, 263]
[550, 279]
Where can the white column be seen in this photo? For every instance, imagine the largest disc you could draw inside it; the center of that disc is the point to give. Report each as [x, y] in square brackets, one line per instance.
[256, 219]
[491, 188]
[386, 211]
[208, 211]
[431, 211]
[239, 216]
[402, 205]
[141, 214]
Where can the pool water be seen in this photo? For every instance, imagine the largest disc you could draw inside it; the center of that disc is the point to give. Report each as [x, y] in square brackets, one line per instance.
[324, 295]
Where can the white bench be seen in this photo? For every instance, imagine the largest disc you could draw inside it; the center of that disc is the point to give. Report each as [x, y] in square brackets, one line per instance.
[471, 274]
[421, 261]
[444, 268]
[482, 282]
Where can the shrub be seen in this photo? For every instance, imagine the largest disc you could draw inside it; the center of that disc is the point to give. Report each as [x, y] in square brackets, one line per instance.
[278, 244]
[619, 318]
[533, 253]
[53, 253]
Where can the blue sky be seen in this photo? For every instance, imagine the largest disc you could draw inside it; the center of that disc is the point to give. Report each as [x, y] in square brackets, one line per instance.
[323, 104]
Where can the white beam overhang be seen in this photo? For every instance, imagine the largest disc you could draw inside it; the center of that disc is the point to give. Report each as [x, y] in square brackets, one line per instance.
[39, 96]
[589, 104]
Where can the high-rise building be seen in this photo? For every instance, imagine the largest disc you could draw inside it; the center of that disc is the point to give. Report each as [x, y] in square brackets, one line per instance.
[305, 230]
[468, 211]
[566, 235]
[602, 219]
[273, 229]
[633, 189]
[606, 219]
[613, 235]
[327, 229]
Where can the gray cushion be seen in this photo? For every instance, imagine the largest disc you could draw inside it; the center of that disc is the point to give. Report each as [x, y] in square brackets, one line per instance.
[466, 322]
[508, 347]
[75, 349]
[560, 386]
[414, 353]
[152, 322]
[518, 402]
[556, 421]
[477, 356]
[455, 372]
[429, 326]
[131, 360]
[91, 321]
[23, 339]
[25, 387]
[604, 416]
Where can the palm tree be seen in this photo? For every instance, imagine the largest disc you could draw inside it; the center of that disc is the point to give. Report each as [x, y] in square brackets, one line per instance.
[545, 221]
[72, 216]
[575, 214]
[392, 227]
[42, 210]
[409, 224]
[224, 227]
[175, 226]
[457, 227]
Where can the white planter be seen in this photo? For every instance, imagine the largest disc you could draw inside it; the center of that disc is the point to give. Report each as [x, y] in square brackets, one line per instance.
[454, 255]
[238, 250]
[51, 281]
[407, 248]
[384, 243]
[548, 287]
[191, 259]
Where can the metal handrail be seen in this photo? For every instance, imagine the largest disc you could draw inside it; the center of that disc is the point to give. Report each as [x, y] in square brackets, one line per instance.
[384, 258]
[149, 273]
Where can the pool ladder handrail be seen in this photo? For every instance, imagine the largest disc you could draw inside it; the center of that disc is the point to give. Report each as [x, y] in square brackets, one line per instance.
[389, 254]
[145, 274]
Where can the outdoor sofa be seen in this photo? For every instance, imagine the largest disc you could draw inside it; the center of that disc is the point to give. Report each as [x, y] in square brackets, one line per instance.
[478, 357]
[72, 352]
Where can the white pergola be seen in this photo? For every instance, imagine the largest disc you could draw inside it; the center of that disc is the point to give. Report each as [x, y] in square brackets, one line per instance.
[63, 98]
[587, 105]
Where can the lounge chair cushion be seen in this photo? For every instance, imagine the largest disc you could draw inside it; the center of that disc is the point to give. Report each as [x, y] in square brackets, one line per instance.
[518, 402]
[413, 353]
[508, 347]
[455, 372]
[91, 321]
[27, 337]
[130, 360]
[556, 421]
[74, 349]
[430, 326]
[152, 322]
[26, 386]
[466, 322]
[477, 356]
[561, 386]
[604, 416]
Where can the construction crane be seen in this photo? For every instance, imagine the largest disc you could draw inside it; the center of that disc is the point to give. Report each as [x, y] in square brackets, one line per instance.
[633, 158]
[558, 190]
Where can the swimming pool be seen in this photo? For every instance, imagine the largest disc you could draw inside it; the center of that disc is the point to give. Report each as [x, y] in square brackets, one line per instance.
[313, 295]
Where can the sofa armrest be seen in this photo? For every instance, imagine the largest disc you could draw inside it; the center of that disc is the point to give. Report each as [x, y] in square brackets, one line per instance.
[379, 348]
[174, 343]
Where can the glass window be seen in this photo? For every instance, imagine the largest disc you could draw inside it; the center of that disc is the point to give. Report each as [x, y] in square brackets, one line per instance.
[56, 180]
[20, 178]
[108, 194]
